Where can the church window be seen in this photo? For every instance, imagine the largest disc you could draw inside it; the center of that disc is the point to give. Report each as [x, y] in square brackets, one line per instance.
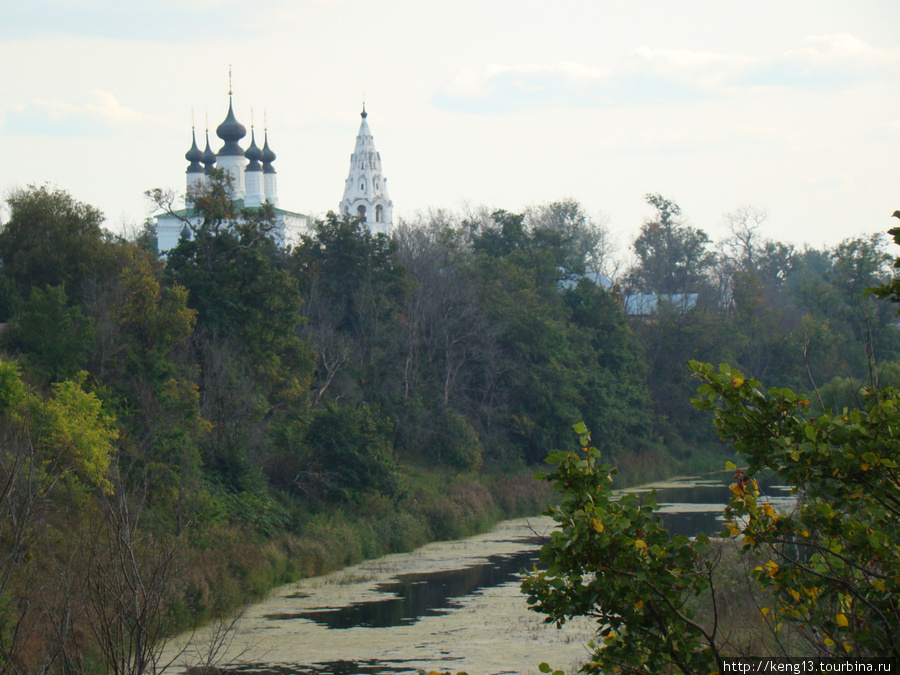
[362, 185]
[379, 214]
[361, 211]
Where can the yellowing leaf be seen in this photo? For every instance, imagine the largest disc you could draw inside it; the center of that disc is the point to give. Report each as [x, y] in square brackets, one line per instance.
[737, 382]
[598, 526]
[771, 568]
[828, 641]
[768, 510]
[841, 620]
[764, 611]
[640, 543]
[639, 605]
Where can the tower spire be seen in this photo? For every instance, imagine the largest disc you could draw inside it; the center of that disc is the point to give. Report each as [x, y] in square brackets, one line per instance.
[230, 157]
[365, 192]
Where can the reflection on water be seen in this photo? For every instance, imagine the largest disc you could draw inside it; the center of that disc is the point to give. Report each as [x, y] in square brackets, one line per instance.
[691, 506]
[446, 607]
[413, 596]
[688, 507]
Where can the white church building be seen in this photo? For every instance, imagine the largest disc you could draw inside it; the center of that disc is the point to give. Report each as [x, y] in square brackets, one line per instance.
[365, 191]
[254, 182]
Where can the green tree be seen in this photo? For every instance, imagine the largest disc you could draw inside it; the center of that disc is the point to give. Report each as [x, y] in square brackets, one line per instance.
[51, 239]
[672, 256]
[612, 560]
[832, 565]
[54, 338]
[353, 286]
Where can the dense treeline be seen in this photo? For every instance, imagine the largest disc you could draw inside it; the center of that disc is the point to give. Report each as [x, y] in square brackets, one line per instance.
[181, 433]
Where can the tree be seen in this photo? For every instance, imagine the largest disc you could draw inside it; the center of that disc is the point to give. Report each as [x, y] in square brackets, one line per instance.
[612, 560]
[56, 453]
[832, 564]
[54, 338]
[828, 570]
[353, 286]
[672, 256]
[588, 242]
[51, 239]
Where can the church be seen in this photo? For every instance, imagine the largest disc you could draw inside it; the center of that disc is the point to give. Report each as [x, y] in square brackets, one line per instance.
[253, 180]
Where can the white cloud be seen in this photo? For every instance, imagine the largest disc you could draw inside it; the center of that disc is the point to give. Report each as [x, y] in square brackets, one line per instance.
[649, 76]
[100, 114]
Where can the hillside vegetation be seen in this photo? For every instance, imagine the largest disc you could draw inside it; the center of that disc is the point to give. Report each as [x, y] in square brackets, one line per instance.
[179, 434]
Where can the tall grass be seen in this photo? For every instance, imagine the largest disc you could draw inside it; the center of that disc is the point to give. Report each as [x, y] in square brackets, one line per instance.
[228, 566]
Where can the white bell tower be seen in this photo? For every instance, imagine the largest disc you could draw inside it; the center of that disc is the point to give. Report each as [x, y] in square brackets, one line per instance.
[365, 192]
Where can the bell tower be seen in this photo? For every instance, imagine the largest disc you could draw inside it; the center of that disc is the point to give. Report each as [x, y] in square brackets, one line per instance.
[365, 192]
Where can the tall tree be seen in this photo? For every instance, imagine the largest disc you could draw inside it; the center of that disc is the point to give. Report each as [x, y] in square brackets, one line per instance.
[672, 257]
[51, 239]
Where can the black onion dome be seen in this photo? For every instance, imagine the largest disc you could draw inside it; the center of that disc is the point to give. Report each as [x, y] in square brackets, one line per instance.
[268, 156]
[254, 154]
[364, 114]
[194, 156]
[209, 157]
[231, 131]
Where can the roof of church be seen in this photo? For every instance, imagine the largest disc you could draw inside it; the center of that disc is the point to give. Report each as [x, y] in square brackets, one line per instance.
[231, 131]
[194, 155]
[254, 154]
[267, 156]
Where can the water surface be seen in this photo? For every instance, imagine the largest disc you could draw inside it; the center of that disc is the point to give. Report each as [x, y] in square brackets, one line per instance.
[447, 606]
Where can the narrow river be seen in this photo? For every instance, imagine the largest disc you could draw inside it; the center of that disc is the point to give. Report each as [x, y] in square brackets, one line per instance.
[448, 606]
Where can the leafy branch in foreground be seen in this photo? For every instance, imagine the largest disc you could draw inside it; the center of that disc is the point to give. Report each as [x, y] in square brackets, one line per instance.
[829, 570]
[833, 564]
[612, 559]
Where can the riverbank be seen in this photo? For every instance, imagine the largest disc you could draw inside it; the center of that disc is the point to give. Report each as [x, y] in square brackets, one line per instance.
[227, 567]
[485, 628]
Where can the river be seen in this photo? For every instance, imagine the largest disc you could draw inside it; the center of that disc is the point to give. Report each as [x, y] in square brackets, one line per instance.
[448, 606]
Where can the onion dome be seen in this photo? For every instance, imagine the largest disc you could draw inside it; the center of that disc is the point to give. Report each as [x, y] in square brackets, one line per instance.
[364, 114]
[185, 232]
[267, 156]
[231, 131]
[254, 154]
[209, 157]
[194, 156]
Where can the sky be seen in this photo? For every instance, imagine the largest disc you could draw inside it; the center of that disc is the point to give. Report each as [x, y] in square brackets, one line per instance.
[791, 107]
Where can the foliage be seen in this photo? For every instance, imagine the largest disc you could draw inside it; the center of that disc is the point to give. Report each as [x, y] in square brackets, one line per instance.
[51, 239]
[612, 560]
[832, 564]
[54, 338]
[349, 454]
[69, 431]
[672, 256]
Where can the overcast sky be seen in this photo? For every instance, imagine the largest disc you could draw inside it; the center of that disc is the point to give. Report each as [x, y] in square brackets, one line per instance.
[791, 106]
